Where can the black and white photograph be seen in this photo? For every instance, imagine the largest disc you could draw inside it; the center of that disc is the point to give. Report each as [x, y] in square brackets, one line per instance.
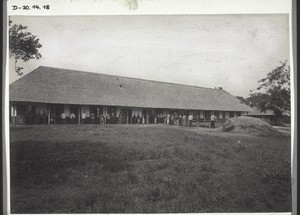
[183, 113]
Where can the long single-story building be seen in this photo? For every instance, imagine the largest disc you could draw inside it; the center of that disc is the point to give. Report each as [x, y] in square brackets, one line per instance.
[44, 94]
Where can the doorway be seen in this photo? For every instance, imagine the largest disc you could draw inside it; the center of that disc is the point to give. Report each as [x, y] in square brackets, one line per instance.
[124, 115]
[129, 116]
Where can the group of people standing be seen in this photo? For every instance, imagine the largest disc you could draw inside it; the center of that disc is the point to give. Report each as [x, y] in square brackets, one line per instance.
[179, 119]
[73, 118]
[176, 119]
[102, 119]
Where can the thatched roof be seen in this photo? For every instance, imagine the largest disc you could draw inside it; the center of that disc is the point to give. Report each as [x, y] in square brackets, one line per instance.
[53, 85]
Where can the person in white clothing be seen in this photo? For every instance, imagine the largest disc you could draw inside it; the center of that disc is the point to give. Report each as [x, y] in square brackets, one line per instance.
[63, 118]
[212, 121]
[190, 118]
[72, 117]
[83, 116]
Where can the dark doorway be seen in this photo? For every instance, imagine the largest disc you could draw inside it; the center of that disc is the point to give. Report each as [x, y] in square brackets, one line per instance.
[21, 114]
[129, 116]
[207, 115]
[30, 114]
[55, 113]
[124, 115]
[112, 111]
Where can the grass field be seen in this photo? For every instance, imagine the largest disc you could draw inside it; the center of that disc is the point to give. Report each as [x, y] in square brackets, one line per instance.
[147, 169]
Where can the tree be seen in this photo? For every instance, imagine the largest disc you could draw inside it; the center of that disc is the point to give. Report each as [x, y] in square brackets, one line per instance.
[22, 45]
[242, 100]
[273, 92]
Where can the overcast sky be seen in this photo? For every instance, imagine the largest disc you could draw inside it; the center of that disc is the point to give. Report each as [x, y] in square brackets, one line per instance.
[229, 51]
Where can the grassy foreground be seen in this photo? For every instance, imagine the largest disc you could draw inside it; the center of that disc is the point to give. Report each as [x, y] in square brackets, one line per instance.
[147, 169]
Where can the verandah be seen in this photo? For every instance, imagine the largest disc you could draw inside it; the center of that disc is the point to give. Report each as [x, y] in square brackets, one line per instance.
[38, 113]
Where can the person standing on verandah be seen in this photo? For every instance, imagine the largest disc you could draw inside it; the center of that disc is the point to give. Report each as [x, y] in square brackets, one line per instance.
[212, 121]
[92, 118]
[72, 117]
[83, 116]
[63, 118]
[44, 117]
[190, 118]
[197, 120]
[184, 120]
[120, 118]
[101, 119]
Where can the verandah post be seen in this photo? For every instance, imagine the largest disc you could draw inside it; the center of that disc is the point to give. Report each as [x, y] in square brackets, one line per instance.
[105, 114]
[14, 114]
[79, 114]
[48, 113]
[127, 117]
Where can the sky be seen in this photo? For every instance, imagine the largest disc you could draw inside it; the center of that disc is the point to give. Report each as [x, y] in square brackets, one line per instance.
[229, 51]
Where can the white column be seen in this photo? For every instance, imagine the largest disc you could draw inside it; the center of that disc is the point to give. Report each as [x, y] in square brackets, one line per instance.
[104, 113]
[14, 114]
[220, 115]
[201, 114]
[67, 110]
[127, 116]
[79, 114]
[227, 115]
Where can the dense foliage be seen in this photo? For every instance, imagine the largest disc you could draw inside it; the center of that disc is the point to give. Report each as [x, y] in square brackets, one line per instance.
[273, 92]
[22, 45]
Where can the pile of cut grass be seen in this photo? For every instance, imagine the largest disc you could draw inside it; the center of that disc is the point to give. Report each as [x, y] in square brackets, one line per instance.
[254, 126]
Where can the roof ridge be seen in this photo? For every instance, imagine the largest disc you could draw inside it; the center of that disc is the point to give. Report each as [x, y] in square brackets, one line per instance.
[172, 83]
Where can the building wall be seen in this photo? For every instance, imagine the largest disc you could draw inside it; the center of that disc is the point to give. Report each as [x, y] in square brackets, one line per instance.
[201, 114]
[41, 108]
[136, 111]
[67, 110]
[118, 110]
[220, 114]
[166, 111]
[226, 114]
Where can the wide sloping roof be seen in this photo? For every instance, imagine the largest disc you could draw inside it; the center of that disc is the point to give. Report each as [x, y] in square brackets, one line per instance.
[53, 85]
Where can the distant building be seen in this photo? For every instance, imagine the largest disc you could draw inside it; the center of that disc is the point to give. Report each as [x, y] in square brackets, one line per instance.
[53, 91]
[269, 116]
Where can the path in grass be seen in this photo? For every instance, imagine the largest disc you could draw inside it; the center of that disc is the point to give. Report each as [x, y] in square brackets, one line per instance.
[126, 168]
